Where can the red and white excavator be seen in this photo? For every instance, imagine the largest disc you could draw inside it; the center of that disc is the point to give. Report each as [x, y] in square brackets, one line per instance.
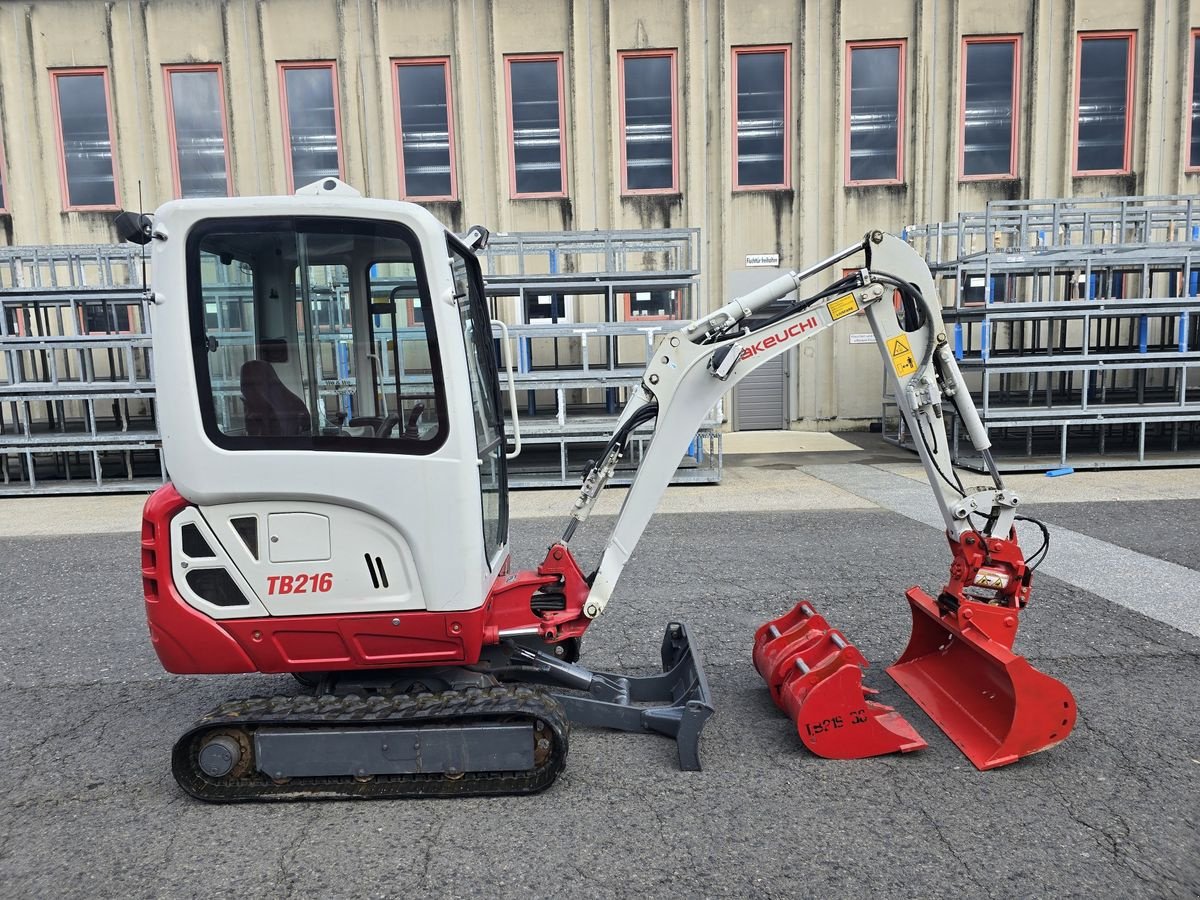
[338, 509]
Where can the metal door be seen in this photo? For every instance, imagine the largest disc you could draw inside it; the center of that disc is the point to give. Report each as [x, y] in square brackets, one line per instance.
[760, 399]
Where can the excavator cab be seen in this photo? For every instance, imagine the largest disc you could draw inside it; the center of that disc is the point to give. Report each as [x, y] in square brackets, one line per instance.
[338, 367]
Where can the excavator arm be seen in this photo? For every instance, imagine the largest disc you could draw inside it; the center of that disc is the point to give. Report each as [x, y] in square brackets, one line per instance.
[695, 365]
[959, 664]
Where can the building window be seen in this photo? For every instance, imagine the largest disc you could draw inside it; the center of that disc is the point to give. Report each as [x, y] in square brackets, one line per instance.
[426, 129]
[196, 121]
[989, 107]
[648, 122]
[535, 102]
[1194, 119]
[762, 98]
[310, 118]
[81, 112]
[1104, 99]
[875, 98]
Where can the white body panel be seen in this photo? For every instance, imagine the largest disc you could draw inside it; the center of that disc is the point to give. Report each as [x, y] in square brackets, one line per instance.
[350, 535]
[182, 564]
[429, 504]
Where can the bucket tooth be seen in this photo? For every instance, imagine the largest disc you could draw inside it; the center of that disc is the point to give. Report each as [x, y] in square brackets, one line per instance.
[815, 676]
[989, 701]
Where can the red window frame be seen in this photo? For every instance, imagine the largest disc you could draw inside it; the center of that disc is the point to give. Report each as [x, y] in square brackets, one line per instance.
[56, 74]
[169, 70]
[1015, 40]
[1082, 36]
[901, 108]
[672, 55]
[786, 50]
[444, 62]
[1189, 99]
[283, 68]
[562, 138]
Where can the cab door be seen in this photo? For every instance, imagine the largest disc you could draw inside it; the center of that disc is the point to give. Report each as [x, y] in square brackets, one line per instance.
[485, 398]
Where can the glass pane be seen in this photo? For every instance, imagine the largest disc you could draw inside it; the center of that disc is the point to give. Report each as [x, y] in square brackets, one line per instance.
[425, 130]
[649, 137]
[196, 105]
[485, 398]
[307, 338]
[1103, 101]
[874, 113]
[537, 132]
[87, 145]
[312, 125]
[760, 118]
[988, 108]
[406, 368]
[1194, 154]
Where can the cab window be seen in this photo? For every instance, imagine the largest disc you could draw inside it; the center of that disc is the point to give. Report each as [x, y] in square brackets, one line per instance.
[308, 333]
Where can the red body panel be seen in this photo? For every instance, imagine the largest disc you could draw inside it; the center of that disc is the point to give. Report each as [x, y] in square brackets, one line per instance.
[188, 642]
[185, 639]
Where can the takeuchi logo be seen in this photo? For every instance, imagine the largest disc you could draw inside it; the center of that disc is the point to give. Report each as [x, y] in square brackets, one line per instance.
[780, 337]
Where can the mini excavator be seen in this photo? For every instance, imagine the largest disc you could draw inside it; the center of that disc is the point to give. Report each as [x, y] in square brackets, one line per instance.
[332, 423]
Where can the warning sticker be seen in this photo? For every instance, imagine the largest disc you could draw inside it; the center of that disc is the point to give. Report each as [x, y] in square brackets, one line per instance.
[902, 355]
[842, 307]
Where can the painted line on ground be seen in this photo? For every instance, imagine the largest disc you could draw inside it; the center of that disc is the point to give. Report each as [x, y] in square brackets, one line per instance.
[1161, 590]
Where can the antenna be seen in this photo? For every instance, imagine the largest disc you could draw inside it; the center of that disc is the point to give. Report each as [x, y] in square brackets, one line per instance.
[141, 211]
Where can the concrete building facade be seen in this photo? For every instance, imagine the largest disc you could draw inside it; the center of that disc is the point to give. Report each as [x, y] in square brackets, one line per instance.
[779, 127]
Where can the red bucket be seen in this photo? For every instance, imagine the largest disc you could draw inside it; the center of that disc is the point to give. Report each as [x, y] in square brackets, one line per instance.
[815, 676]
[991, 702]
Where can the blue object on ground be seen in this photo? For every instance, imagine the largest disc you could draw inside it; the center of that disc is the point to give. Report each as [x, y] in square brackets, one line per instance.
[1054, 473]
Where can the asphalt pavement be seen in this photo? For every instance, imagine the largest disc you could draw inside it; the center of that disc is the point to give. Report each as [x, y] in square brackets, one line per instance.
[88, 806]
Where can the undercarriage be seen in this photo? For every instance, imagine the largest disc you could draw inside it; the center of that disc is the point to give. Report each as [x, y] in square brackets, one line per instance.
[497, 728]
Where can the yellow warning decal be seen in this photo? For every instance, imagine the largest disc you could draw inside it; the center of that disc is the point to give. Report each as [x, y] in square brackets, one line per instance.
[842, 307]
[902, 355]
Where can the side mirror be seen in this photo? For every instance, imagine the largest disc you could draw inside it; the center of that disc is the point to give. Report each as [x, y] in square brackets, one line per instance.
[476, 237]
[136, 228]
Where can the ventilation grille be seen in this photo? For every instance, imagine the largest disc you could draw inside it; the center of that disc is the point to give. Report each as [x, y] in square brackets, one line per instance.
[194, 544]
[378, 573]
[216, 587]
[247, 529]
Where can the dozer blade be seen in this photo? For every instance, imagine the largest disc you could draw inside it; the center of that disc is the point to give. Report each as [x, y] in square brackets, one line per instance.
[991, 702]
[815, 676]
[676, 702]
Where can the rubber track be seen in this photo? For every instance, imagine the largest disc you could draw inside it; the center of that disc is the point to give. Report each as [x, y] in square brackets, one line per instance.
[467, 707]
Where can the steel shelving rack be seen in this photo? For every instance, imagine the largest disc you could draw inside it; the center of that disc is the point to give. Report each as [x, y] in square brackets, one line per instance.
[77, 399]
[1077, 324]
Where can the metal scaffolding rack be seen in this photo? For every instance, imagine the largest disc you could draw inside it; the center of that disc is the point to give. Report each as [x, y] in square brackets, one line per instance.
[1077, 324]
[77, 400]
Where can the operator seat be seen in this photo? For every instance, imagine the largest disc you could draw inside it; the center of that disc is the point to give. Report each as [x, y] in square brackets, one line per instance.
[271, 409]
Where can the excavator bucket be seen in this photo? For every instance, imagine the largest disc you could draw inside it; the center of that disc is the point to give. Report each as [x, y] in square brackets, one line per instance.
[960, 669]
[815, 676]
